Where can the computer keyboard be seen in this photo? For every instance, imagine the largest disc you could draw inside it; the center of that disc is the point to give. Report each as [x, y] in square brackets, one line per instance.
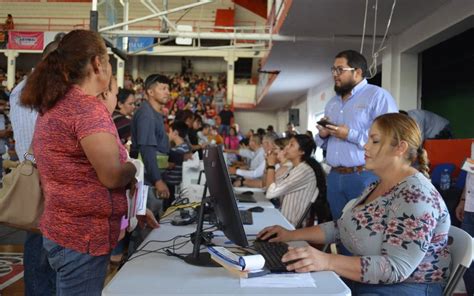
[272, 252]
[246, 216]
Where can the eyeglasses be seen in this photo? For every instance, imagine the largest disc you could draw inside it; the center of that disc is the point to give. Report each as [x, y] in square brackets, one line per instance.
[338, 70]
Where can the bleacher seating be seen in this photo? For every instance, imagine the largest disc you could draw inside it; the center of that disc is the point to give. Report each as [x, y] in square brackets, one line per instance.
[64, 16]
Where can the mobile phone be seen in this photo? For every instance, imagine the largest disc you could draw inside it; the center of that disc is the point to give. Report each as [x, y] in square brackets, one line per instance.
[325, 122]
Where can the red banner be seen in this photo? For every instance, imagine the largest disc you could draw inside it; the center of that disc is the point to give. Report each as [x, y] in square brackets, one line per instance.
[25, 40]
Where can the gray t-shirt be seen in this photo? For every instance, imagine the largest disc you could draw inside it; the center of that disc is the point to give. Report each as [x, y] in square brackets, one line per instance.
[3, 142]
[429, 123]
[149, 138]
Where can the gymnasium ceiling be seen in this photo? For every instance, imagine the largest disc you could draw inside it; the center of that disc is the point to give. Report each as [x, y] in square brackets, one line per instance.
[336, 25]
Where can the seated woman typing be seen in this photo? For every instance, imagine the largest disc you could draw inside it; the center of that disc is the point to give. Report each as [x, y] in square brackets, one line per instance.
[298, 186]
[397, 229]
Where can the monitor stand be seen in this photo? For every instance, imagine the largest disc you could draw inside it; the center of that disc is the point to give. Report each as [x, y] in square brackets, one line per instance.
[197, 258]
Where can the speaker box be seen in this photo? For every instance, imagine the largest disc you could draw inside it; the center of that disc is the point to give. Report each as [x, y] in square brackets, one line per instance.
[294, 116]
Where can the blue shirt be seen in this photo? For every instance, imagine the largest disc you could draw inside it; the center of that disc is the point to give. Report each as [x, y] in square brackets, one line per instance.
[365, 103]
[3, 142]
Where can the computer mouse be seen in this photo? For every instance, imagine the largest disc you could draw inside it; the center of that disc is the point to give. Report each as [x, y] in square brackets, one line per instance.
[247, 193]
[256, 209]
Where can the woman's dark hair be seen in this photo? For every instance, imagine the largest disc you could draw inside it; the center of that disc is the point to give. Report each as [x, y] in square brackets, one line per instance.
[184, 115]
[123, 95]
[244, 141]
[198, 118]
[281, 142]
[62, 68]
[180, 127]
[307, 145]
[261, 132]
[320, 208]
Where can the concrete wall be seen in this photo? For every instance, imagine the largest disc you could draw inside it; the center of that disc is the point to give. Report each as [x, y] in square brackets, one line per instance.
[255, 119]
[244, 93]
[317, 99]
[283, 116]
[400, 73]
[245, 17]
[282, 120]
[302, 105]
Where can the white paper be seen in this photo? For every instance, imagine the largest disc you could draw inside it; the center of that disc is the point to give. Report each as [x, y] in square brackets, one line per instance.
[243, 263]
[193, 192]
[191, 171]
[469, 204]
[253, 262]
[468, 166]
[142, 196]
[194, 161]
[279, 280]
[137, 200]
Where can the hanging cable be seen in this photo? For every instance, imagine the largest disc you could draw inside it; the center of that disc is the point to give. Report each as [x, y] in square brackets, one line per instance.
[363, 28]
[185, 12]
[388, 26]
[375, 54]
[375, 25]
[373, 72]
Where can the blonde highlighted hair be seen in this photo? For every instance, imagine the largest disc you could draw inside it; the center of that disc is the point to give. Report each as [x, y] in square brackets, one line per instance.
[400, 127]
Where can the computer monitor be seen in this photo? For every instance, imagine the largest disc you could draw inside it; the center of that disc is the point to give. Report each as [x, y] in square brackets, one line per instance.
[222, 200]
[222, 196]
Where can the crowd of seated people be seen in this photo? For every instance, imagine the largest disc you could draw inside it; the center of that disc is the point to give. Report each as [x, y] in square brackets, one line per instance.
[285, 167]
[181, 114]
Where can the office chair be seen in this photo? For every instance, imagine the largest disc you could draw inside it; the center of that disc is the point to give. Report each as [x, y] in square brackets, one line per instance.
[306, 213]
[461, 180]
[438, 170]
[304, 216]
[461, 249]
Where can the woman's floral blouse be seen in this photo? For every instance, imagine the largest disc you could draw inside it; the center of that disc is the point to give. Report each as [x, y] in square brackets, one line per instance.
[400, 236]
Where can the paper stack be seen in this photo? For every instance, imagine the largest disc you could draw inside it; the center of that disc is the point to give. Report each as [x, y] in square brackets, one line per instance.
[242, 266]
[137, 198]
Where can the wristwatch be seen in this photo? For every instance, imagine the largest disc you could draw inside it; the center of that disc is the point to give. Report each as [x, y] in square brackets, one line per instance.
[270, 167]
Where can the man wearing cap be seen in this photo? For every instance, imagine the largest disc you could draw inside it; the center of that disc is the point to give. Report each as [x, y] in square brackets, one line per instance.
[149, 137]
[351, 113]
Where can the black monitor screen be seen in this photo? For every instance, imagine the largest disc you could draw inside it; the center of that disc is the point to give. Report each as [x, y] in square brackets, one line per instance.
[222, 195]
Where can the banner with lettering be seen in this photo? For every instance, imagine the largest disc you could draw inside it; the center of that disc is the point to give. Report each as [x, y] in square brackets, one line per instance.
[25, 40]
[137, 43]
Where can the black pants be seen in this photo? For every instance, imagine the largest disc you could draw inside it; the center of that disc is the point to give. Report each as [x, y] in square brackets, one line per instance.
[445, 133]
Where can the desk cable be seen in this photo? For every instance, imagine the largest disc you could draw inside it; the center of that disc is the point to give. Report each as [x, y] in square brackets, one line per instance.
[169, 250]
[175, 246]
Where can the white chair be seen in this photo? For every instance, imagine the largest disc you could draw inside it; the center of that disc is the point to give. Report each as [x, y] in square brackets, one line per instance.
[461, 249]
